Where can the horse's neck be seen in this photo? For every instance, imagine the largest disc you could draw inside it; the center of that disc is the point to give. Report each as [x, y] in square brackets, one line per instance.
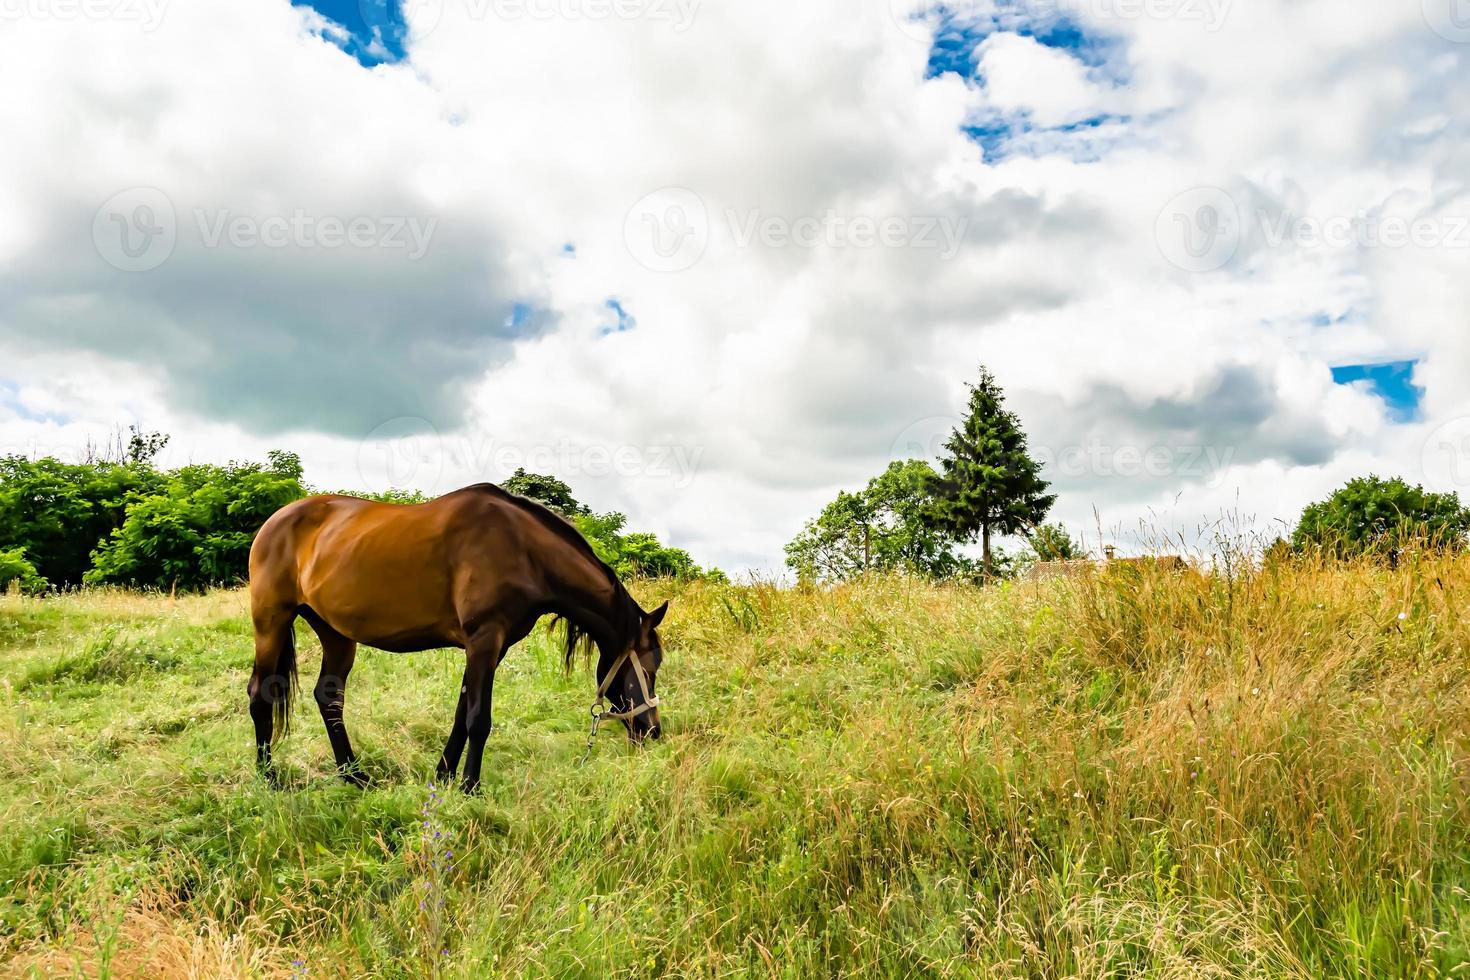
[587, 594]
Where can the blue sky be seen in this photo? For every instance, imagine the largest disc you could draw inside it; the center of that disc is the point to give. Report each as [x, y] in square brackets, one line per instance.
[955, 43]
[1393, 382]
[375, 27]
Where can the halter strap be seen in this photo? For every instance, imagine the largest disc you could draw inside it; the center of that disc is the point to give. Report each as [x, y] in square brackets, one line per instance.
[599, 714]
[649, 702]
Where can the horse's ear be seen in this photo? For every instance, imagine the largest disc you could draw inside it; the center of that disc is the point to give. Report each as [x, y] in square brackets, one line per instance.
[656, 617]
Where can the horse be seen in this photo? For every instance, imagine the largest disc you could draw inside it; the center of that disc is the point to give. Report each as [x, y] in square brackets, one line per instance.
[475, 569]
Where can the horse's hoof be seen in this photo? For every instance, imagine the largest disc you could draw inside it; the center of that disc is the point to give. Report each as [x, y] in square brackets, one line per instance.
[469, 788]
[355, 777]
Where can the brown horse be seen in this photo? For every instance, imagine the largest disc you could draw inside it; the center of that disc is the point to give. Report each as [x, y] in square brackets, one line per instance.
[474, 569]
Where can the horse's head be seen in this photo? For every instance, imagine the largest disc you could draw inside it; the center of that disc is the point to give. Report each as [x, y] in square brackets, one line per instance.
[628, 681]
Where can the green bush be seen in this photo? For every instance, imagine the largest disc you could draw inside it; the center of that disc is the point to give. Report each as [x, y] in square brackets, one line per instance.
[59, 511]
[1371, 515]
[15, 568]
[196, 530]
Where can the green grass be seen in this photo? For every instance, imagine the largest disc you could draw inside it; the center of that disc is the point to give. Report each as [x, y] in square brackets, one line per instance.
[1137, 774]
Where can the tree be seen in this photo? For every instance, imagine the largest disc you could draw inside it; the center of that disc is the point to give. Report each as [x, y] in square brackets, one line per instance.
[547, 490]
[638, 553]
[836, 545]
[1051, 542]
[989, 483]
[392, 495]
[1381, 516]
[884, 527]
[143, 447]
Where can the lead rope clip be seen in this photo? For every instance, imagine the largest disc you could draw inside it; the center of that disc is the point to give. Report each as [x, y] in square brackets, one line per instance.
[592, 734]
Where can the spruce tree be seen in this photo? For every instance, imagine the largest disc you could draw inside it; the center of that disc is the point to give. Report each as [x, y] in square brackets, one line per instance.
[988, 483]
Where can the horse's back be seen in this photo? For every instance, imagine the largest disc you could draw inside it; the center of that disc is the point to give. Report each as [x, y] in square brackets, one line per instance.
[383, 574]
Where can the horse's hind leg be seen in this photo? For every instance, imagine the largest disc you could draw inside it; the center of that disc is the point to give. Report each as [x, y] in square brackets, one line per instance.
[272, 680]
[338, 655]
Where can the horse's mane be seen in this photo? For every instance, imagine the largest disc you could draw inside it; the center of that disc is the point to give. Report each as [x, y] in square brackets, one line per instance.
[578, 635]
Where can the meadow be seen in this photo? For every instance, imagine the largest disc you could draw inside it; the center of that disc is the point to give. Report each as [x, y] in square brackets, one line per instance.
[1258, 772]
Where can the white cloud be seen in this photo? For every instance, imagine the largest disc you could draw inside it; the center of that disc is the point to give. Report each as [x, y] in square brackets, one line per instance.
[1023, 75]
[772, 370]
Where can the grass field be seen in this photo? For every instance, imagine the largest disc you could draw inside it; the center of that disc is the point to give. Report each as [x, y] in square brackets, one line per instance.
[1138, 774]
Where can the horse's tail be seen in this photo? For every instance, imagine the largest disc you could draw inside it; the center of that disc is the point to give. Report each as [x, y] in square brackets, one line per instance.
[286, 683]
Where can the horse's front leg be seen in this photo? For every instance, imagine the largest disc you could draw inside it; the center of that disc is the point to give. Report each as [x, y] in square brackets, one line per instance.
[482, 656]
[449, 760]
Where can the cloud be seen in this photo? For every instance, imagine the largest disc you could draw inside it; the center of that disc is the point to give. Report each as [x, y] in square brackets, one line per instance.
[1022, 75]
[786, 202]
[310, 258]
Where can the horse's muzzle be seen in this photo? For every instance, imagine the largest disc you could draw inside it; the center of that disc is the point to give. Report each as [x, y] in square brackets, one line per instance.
[639, 732]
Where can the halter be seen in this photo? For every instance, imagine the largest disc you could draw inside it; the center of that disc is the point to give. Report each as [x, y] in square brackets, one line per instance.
[601, 712]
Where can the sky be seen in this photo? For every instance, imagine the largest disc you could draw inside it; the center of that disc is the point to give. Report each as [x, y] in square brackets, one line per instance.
[711, 261]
